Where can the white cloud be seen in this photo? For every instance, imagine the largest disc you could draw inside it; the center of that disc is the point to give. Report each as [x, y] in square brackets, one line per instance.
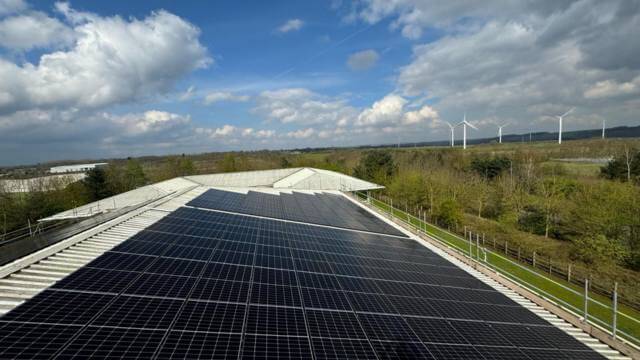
[518, 61]
[264, 134]
[302, 133]
[291, 25]
[222, 96]
[112, 61]
[188, 94]
[612, 88]
[303, 107]
[425, 113]
[12, 6]
[384, 111]
[363, 60]
[150, 122]
[33, 30]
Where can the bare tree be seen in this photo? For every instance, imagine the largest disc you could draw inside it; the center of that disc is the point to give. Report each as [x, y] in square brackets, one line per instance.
[628, 158]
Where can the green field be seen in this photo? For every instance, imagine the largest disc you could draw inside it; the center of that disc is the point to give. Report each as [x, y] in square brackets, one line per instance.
[562, 293]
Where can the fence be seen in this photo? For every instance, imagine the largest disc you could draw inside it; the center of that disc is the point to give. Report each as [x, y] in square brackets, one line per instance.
[571, 273]
[599, 311]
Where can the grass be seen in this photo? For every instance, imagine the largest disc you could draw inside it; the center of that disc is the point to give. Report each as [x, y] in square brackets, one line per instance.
[563, 293]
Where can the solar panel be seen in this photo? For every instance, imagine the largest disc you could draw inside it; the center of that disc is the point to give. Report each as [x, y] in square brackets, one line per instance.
[203, 284]
[321, 208]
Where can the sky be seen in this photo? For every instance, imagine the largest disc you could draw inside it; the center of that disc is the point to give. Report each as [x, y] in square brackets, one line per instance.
[81, 80]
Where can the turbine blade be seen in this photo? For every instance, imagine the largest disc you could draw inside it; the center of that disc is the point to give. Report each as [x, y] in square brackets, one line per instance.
[568, 112]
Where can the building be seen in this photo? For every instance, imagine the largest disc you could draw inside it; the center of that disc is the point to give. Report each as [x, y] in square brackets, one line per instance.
[74, 168]
[277, 264]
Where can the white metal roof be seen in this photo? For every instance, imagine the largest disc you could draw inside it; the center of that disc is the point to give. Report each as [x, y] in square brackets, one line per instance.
[282, 179]
[304, 178]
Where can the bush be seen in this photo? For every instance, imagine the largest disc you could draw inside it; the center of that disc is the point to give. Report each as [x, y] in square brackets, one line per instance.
[598, 249]
[448, 214]
[490, 168]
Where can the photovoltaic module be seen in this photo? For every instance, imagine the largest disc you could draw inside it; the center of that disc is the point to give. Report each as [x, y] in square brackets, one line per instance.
[217, 284]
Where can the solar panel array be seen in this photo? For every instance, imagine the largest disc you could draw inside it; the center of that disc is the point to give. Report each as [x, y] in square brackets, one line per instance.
[209, 285]
[323, 209]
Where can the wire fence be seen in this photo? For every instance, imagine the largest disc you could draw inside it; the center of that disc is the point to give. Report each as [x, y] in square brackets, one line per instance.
[534, 273]
[570, 272]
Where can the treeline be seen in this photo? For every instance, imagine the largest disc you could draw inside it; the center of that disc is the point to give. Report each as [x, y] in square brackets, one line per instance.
[19, 209]
[511, 195]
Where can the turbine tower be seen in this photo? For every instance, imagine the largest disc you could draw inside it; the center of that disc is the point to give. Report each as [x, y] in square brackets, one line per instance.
[452, 127]
[464, 124]
[560, 124]
[604, 126]
[500, 132]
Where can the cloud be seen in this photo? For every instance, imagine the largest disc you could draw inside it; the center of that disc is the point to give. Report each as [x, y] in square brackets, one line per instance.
[518, 61]
[362, 60]
[188, 94]
[391, 111]
[302, 107]
[221, 96]
[291, 25]
[111, 61]
[612, 88]
[12, 6]
[302, 133]
[33, 30]
[150, 122]
[387, 110]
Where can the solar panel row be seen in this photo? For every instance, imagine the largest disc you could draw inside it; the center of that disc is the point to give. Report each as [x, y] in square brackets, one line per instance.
[202, 284]
[322, 208]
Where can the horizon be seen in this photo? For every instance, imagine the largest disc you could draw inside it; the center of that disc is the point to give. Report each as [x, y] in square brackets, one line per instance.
[117, 80]
[442, 143]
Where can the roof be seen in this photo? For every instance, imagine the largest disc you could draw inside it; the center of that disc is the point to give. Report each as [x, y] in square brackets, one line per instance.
[258, 272]
[77, 166]
[294, 178]
[304, 178]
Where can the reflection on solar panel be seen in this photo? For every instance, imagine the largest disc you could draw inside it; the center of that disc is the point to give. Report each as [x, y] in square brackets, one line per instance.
[323, 209]
[209, 285]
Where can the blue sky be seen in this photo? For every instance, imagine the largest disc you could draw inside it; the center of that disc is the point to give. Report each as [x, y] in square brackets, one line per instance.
[117, 79]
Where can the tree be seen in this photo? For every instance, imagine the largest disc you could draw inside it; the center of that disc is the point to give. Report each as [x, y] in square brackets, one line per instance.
[625, 167]
[178, 166]
[597, 249]
[410, 187]
[490, 168]
[448, 213]
[228, 163]
[96, 184]
[377, 166]
[134, 175]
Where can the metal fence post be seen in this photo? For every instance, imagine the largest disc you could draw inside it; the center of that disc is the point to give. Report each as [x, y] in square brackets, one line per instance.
[534, 259]
[478, 246]
[586, 299]
[470, 237]
[614, 323]
[569, 273]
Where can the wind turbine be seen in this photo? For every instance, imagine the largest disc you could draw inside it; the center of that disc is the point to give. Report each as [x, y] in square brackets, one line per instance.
[464, 124]
[604, 126]
[500, 132]
[452, 127]
[560, 124]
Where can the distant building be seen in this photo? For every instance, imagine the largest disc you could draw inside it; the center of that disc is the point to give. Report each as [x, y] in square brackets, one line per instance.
[74, 168]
